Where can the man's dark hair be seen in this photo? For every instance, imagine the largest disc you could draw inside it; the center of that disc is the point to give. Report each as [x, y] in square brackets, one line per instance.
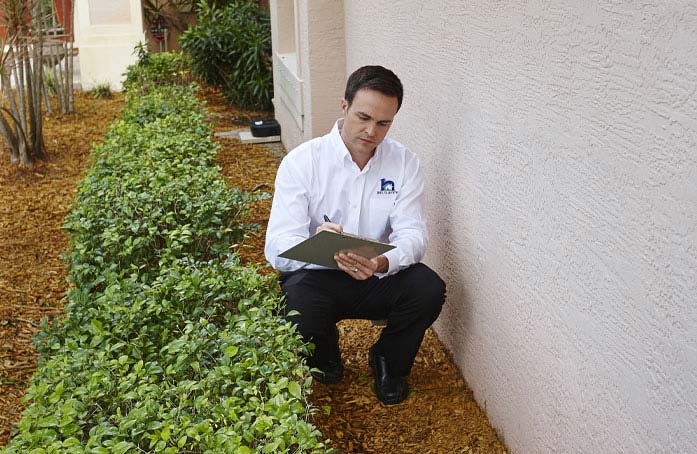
[374, 78]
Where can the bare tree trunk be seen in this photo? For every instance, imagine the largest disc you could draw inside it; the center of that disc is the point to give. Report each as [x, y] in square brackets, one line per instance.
[36, 85]
[22, 63]
[64, 83]
[10, 62]
[10, 138]
[46, 95]
[71, 46]
[54, 58]
[58, 79]
[28, 126]
[18, 64]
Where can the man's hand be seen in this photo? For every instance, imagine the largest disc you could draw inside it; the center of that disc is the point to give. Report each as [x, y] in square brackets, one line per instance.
[329, 226]
[359, 267]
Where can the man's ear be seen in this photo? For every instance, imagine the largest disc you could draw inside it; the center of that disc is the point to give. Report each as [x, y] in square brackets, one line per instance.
[344, 106]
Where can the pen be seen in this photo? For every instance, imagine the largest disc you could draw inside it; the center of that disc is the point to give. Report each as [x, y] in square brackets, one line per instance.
[326, 218]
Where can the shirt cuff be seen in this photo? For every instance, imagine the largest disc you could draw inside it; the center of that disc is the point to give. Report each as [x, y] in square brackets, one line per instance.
[393, 257]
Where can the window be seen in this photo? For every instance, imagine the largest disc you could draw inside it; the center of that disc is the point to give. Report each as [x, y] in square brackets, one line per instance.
[288, 83]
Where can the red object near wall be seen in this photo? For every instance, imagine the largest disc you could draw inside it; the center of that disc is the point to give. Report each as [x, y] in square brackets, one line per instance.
[61, 18]
[64, 20]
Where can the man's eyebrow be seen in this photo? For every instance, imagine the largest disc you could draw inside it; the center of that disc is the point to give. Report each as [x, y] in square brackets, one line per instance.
[368, 117]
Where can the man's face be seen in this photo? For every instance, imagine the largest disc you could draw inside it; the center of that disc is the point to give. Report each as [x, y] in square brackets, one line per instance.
[367, 121]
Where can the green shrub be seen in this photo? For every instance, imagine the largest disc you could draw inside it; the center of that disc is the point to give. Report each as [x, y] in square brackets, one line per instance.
[167, 344]
[164, 102]
[197, 361]
[153, 195]
[155, 70]
[230, 48]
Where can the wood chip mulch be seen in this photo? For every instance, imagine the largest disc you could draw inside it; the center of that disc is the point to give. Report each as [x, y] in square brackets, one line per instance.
[440, 416]
[33, 204]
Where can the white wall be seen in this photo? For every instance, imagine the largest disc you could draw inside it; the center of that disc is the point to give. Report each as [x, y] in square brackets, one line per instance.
[559, 139]
[309, 64]
[106, 33]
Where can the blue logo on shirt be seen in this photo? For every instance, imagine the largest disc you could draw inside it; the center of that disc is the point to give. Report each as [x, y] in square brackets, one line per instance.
[387, 187]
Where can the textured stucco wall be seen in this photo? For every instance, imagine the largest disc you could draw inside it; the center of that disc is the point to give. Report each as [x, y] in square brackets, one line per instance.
[326, 63]
[320, 46]
[559, 139]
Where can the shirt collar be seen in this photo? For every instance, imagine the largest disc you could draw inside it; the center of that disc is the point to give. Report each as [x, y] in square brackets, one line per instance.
[338, 145]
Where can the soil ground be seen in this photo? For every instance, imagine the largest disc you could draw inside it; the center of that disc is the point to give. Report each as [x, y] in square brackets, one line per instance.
[33, 204]
[440, 416]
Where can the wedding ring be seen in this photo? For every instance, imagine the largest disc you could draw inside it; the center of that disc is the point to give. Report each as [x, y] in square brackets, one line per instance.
[355, 270]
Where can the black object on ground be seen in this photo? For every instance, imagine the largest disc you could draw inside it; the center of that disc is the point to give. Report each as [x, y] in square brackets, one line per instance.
[265, 128]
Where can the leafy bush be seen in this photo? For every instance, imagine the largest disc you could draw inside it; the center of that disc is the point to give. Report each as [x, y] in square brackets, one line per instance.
[155, 70]
[153, 194]
[195, 362]
[231, 48]
[178, 102]
[167, 344]
[101, 91]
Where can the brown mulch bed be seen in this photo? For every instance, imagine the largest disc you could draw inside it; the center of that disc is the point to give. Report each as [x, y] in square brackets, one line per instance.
[440, 416]
[33, 204]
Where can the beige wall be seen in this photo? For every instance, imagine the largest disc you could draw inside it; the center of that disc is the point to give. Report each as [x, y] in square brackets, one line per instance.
[106, 33]
[308, 80]
[559, 140]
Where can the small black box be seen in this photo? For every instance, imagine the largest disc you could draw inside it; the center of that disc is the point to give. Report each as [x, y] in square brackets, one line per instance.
[265, 128]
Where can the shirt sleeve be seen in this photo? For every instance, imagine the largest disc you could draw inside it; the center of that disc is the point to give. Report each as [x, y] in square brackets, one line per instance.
[407, 222]
[289, 221]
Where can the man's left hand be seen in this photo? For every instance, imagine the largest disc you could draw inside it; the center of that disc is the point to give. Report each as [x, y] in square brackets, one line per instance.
[359, 267]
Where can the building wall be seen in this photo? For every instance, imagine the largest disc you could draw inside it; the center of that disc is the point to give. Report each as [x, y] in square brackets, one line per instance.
[106, 34]
[308, 80]
[559, 140]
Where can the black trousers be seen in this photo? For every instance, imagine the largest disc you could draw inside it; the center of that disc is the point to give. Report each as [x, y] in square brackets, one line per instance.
[409, 300]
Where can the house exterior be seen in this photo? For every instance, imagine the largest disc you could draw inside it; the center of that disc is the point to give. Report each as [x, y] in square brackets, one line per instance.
[106, 32]
[559, 144]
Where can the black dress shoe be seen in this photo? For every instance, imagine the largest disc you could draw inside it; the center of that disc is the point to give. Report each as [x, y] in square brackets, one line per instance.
[390, 390]
[330, 373]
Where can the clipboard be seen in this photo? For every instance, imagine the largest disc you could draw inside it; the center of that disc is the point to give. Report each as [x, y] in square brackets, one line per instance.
[320, 249]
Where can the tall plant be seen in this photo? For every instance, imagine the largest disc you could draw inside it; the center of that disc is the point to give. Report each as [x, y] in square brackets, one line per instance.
[21, 76]
[231, 48]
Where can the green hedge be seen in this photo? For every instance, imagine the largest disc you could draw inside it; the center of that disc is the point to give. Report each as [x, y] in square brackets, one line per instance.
[167, 344]
[153, 194]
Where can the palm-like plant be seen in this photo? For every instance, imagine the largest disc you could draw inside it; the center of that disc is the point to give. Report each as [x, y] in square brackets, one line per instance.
[21, 76]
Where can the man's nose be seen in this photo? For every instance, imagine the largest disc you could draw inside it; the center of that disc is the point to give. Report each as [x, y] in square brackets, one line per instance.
[370, 129]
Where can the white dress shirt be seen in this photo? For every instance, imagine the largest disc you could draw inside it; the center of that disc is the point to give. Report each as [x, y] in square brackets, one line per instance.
[382, 201]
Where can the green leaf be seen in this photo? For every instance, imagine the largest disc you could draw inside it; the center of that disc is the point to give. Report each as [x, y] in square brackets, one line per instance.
[122, 447]
[295, 390]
